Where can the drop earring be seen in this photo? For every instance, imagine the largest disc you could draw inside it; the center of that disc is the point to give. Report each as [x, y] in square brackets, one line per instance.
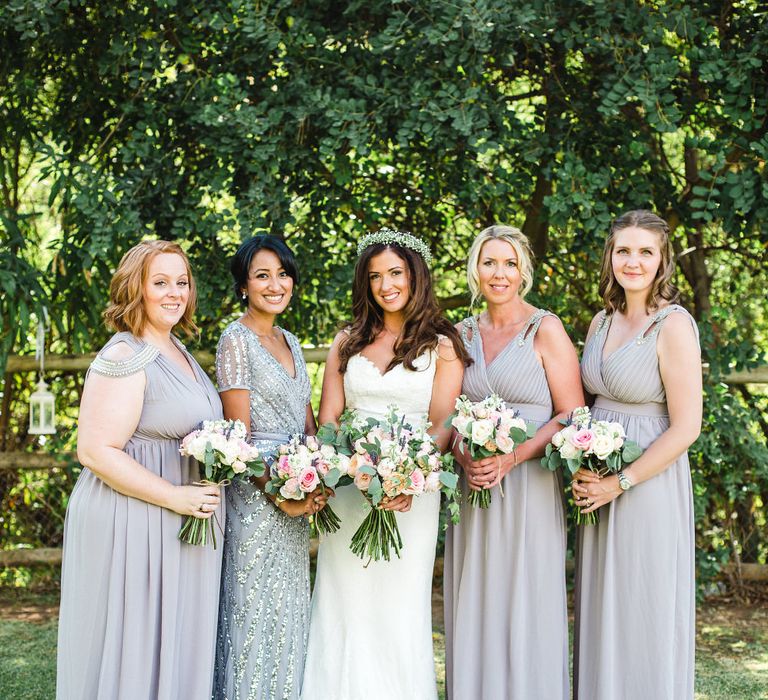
[245, 296]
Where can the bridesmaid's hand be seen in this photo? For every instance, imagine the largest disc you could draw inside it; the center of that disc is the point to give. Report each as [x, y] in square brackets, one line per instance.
[401, 503]
[486, 472]
[197, 501]
[311, 504]
[590, 491]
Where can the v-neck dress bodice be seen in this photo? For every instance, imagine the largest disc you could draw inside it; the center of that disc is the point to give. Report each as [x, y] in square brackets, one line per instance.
[635, 589]
[264, 609]
[506, 625]
[138, 606]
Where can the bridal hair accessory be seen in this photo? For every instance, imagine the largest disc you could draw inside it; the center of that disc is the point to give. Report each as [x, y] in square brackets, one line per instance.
[402, 238]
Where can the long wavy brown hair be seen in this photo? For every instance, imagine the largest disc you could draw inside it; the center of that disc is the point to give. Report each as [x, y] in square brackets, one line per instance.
[614, 298]
[126, 310]
[424, 321]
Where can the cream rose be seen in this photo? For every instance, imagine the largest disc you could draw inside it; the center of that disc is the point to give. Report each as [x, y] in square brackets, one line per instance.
[482, 430]
[602, 446]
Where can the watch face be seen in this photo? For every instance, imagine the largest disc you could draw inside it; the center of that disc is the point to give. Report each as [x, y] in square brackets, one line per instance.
[624, 482]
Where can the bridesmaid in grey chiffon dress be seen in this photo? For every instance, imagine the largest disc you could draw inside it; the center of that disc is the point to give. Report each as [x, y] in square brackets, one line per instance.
[635, 589]
[506, 624]
[138, 606]
[262, 377]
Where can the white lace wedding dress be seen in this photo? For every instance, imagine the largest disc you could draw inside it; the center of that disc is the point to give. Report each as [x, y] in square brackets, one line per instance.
[370, 633]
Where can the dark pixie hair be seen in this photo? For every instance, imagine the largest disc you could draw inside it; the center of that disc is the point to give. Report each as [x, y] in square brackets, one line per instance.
[424, 322]
[241, 261]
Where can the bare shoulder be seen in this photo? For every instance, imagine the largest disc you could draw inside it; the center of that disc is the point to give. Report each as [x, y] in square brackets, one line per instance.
[677, 331]
[551, 331]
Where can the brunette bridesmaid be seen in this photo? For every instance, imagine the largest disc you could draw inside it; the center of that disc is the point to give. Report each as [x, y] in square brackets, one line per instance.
[505, 604]
[635, 589]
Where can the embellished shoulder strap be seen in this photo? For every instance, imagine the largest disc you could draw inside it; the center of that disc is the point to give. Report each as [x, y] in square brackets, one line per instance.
[533, 325]
[124, 368]
[469, 325]
[602, 322]
[654, 327]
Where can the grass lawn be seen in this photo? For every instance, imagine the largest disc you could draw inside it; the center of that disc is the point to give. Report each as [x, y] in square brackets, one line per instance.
[731, 648]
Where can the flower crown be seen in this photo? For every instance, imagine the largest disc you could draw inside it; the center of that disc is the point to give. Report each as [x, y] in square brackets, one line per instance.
[402, 238]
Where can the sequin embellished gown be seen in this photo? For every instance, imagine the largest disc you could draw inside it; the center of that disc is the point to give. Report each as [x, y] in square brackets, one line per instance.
[138, 606]
[506, 624]
[264, 609]
[635, 589]
[371, 628]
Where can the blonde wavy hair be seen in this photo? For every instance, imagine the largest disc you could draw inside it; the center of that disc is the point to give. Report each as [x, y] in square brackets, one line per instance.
[519, 242]
[126, 310]
[614, 298]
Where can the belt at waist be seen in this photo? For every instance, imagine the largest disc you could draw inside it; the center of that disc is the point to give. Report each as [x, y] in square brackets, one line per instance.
[274, 437]
[532, 411]
[652, 408]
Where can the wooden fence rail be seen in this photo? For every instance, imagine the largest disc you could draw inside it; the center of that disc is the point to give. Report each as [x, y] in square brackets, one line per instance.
[80, 363]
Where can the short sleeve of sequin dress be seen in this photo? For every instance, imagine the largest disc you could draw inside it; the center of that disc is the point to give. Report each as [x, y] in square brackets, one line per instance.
[264, 606]
[138, 607]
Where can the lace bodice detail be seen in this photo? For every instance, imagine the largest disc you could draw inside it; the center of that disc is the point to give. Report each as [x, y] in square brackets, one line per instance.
[371, 393]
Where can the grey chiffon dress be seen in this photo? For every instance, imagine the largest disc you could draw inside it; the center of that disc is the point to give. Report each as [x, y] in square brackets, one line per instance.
[138, 606]
[506, 627]
[264, 608]
[635, 588]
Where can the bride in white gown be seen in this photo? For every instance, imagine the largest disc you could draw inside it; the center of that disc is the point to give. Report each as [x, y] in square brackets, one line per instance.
[370, 634]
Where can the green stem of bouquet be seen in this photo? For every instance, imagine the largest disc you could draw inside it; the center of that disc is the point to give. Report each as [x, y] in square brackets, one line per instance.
[377, 535]
[196, 531]
[326, 521]
[479, 499]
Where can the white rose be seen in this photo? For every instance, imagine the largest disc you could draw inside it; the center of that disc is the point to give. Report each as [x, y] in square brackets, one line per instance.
[238, 467]
[568, 451]
[558, 439]
[617, 430]
[432, 483]
[385, 467]
[602, 446]
[328, 451]
[460, 423]
[482, 430]
[618, 443]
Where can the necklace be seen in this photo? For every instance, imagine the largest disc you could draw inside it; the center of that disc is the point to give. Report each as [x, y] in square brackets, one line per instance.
[392, 334]
[271, 335]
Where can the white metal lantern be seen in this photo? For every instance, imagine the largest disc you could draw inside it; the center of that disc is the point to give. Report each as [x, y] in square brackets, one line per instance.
[42, 403]
[42, 410]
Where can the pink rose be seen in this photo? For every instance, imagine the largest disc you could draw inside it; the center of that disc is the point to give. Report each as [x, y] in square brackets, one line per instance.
[308, 479]
[418, 482]
[322, 467]
[582, 439]
[283, 466]
[363, 481]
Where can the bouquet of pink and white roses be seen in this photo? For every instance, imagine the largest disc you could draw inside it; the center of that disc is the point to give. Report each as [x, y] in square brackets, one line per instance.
[389, 457]
[598, 445]
[221, 448]
[302, 465]
[488, 428]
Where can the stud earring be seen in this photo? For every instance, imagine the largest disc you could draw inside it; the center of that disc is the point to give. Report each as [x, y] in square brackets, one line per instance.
[245, 296]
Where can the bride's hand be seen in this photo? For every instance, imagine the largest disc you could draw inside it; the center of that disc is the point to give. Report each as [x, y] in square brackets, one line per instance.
[400, 503]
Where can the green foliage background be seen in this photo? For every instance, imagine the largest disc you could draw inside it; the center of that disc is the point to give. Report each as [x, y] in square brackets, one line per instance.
[208, 121]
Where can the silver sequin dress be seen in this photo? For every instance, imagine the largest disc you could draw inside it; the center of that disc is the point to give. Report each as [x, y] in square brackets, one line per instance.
[264, 608]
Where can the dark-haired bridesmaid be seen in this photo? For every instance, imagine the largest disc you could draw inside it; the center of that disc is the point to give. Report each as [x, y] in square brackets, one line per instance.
[635, 588]
[264, 608]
